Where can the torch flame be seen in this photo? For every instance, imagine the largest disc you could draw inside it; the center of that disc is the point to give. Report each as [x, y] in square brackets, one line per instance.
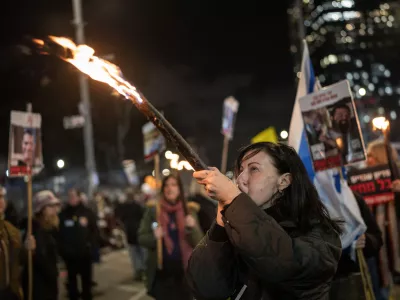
[380, 123]
[83, 59]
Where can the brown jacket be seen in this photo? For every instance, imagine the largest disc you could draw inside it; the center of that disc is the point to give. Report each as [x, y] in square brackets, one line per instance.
[10, 255]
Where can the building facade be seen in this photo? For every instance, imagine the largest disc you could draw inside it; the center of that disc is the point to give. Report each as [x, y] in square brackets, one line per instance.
[357, 40]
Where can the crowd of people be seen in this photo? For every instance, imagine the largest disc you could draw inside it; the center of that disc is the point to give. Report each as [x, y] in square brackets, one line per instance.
[264, 235]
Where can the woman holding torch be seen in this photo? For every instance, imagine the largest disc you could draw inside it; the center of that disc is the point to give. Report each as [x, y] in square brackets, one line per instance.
[173, 222]
[273, 237]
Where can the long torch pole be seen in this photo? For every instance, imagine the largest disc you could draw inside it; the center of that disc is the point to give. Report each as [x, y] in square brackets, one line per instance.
[169, 132]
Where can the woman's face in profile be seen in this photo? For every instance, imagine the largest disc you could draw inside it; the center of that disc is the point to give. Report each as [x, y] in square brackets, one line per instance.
[258, 178]
[171, 190]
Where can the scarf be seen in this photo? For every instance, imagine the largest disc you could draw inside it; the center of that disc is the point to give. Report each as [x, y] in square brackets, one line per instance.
[178, 210]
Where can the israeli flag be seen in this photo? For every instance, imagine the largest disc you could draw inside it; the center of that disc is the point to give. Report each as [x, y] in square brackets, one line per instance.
[332, 188]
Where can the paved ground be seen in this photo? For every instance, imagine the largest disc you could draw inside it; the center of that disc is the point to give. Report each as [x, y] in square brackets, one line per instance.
[114, 278]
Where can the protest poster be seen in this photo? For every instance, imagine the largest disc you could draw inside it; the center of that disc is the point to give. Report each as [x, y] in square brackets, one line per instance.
[332, 127]
[373, 183]
[154, 141]
[231, 106]
[25, 155]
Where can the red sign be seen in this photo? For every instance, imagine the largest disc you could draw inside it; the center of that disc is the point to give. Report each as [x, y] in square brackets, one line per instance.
[373, 183]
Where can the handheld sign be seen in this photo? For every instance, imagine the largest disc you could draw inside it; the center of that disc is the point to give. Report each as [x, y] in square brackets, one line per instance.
[332, 127]
[373, 183]
[231, 106]
[154, 141]
[25, 155]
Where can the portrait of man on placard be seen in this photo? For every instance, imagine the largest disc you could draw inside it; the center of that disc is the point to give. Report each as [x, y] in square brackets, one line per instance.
[28, 145]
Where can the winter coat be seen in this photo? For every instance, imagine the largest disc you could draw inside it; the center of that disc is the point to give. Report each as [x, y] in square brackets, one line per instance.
[130, 214]
[78, 232]
[45, 271]
[207, 213]
[11, 254]
[373, 241]
[265, 258]
[146, 237]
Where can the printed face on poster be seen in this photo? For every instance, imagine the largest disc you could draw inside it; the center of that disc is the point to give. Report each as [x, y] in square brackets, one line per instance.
[25, 146]
[154, 141]
[332, 127]
[231, 106]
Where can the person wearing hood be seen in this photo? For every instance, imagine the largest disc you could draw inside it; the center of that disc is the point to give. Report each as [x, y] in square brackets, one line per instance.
[45, 257]
[77, 235]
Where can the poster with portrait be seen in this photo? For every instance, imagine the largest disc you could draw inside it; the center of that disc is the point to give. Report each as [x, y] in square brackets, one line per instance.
[154, 141]
[332, 127]
[373, 183]
[25, 155]
[231, 106]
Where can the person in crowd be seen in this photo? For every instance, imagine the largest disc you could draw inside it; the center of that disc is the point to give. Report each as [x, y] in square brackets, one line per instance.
[386, 215]
[348, 280]
[77, 235]
[208, 206]
[272, 238]
[12, 255]
[45, 256]
[174, 223]
[11, 215]
[130, 214]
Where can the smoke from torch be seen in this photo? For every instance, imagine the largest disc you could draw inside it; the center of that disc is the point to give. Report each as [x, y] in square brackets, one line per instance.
[83, 58]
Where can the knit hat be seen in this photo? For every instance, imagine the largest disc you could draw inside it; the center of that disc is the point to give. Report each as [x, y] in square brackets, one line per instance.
[43, 199]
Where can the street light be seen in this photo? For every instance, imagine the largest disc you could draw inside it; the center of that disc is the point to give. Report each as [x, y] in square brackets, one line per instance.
[284, 134]
[60, 164]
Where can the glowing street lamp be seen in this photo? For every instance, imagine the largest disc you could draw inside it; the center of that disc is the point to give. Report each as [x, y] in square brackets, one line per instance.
[60, 164]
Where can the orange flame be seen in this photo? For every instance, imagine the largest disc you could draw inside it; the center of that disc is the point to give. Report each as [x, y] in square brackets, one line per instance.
[380, 123]
[83, 59]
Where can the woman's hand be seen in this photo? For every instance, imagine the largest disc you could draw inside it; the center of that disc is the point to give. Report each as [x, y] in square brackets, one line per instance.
[190, 222]
[218, 186]
[30, 243]
[158, 232]
[396, 186]
[360, 243]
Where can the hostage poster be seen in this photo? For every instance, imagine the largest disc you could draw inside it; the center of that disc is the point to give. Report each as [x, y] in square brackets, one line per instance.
[25, 146]
[373, 183]
[231, 106]
[154, 141]
[332, 127]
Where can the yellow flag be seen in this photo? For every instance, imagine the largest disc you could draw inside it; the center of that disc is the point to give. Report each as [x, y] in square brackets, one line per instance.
[267, 135]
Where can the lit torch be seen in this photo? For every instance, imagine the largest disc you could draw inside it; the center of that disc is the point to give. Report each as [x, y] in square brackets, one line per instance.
[83, 58]
[381, 123]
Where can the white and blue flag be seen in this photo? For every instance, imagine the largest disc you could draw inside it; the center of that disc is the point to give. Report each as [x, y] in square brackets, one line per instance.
[332, 189]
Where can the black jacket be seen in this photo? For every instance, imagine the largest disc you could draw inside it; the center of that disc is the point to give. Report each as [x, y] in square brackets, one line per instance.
[130, 214]
[207, 213]
[78, 232]
[45, 271]
[373, 241]
[270, 258]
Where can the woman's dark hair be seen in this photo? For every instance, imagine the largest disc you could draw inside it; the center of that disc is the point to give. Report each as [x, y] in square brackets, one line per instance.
[180, 186]
[300, 201]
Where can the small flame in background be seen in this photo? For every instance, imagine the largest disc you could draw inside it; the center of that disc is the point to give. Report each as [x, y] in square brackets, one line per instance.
[176, 164]
[83, 59]
[380, 123]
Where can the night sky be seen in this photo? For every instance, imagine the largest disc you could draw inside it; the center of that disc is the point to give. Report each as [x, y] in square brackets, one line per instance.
[185, 56]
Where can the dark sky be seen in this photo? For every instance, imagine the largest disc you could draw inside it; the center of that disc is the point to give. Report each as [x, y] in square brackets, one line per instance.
[185, 56]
